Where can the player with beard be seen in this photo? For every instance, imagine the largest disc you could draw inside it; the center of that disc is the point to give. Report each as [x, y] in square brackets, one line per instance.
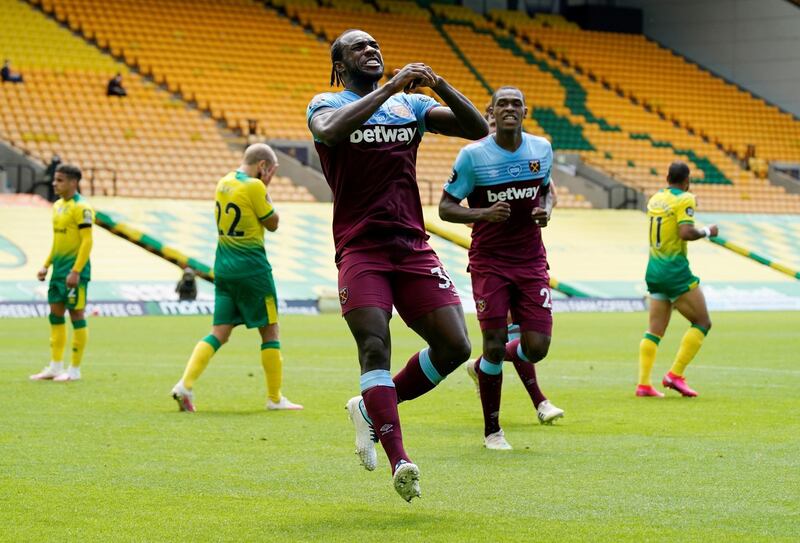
[506, 180]
[367, 138]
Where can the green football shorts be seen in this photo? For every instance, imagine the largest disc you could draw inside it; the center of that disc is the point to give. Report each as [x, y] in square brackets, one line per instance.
[251, 301]
[72, 298]
[671, 288]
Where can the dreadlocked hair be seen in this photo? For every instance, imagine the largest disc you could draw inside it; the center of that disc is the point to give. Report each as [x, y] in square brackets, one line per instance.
[336, 55]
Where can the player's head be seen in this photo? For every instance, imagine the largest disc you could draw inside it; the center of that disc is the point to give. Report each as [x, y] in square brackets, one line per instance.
[678, 175]
[66, 179]
[260, 161]
[508, 108]
[355, 56]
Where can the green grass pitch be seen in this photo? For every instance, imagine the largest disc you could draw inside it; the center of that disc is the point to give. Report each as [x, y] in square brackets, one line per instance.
[110, 458]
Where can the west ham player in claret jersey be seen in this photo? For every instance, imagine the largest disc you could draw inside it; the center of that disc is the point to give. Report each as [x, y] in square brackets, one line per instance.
[506, 180]
[367, 138]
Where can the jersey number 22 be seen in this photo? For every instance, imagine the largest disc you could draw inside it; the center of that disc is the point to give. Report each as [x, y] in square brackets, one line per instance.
[237, 216]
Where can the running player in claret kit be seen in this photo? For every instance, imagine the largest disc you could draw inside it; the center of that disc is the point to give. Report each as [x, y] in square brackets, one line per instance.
[367, 138]
[72, 243]
[546, 412]
[244, 291]
[671, 283]
[506, 180]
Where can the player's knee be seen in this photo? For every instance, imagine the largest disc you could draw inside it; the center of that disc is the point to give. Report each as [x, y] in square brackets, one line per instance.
[374, 353]
[221, 336]
[705, 324]
[494, 352]
[77, 314]
[453, 349]
[536, 350]
[460, 350]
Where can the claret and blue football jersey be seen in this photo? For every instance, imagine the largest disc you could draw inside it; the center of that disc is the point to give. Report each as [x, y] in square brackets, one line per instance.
[484, 173]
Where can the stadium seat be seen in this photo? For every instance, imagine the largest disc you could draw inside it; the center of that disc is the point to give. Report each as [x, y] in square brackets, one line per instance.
[147, 143]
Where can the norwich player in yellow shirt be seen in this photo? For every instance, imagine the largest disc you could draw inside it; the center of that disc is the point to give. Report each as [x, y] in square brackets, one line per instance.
[671, 283]
[72, 242]
[244, 292]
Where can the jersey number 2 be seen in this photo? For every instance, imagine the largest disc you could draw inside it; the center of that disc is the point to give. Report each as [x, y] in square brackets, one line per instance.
[237, 216]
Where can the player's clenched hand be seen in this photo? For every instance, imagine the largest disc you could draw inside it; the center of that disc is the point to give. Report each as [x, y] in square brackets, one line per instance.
[713, 231]
[72, 279]
[499, 212]
[412, 76]
[41, 275]
[540, 217]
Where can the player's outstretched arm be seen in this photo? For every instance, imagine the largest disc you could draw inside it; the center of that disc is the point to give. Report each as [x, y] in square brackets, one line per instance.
[460, 118]
[688, 232]
[451, 210]
[331, 126]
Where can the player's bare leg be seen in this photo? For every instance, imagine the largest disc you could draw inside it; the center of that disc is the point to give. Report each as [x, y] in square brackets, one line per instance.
[660, 313]
[198, 362]
[489, 370]
[58, 340]
[272, 362]
[691, 305]
[445, 332]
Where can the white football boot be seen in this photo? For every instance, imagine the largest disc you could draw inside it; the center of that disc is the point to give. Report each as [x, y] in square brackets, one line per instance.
[365, 435]
[184, 397]
[548, 412]
[49, 372]
[72, 374]
[470, 365]
[497, 442]
[283, 405]
[406, 480]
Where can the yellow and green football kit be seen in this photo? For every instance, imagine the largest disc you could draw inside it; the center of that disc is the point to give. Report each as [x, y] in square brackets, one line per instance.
[244, 291]
[668, 278]
[72, 243]
[668, 273]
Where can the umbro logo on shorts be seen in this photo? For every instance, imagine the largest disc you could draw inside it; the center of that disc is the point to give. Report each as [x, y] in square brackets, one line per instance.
[386, 428]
